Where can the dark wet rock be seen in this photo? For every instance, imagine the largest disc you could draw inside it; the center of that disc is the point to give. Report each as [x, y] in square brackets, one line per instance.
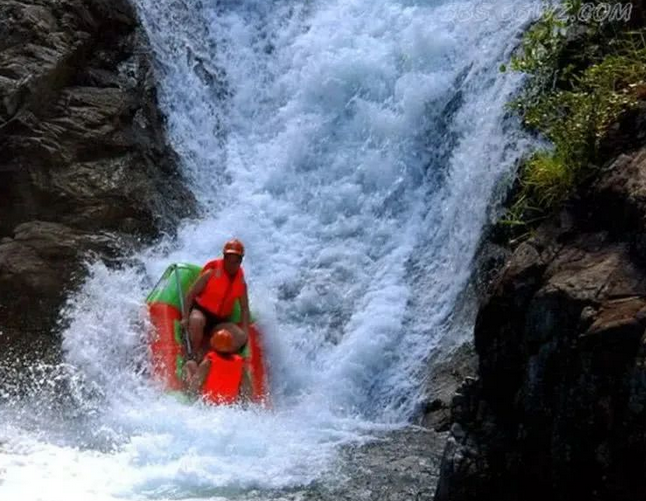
[37, 266]
[617, 200]
[456, 360]
[627, 134]
[447, 372]
[82, 149]
[558, 410]
[401, 465]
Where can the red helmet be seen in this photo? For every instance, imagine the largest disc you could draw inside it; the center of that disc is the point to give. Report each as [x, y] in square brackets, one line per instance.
[222, 341]
[233, 247]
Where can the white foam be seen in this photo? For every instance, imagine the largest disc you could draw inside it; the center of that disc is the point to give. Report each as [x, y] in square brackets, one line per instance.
[354, 147]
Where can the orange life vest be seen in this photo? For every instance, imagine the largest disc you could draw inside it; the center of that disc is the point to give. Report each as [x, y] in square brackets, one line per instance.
[221, 291]
[222, 384]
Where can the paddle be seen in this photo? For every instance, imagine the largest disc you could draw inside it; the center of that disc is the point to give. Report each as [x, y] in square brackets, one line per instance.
[187, 339]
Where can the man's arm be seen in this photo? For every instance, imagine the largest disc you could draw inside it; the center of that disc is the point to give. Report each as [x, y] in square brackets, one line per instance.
[195, 290]
[244, 307]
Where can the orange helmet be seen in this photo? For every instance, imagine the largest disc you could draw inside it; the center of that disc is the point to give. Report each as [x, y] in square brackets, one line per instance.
[222, 341]
[233, 247]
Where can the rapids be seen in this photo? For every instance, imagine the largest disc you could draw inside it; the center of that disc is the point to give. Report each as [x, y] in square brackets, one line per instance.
[356, 147]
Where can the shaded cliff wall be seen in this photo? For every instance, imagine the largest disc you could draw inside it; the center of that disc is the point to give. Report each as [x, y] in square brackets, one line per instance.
[558, 410]
[84, 164]
[558, 407]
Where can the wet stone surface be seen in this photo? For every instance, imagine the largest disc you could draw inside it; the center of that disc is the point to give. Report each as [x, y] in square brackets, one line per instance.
[398, 466]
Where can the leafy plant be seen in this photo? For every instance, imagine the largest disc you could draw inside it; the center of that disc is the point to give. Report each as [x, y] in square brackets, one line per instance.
[572, 99]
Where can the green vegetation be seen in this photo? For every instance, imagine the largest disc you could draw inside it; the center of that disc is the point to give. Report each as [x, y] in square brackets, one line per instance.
[584, 74]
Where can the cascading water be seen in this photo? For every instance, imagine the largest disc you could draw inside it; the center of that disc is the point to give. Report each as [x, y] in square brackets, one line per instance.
[354, 147]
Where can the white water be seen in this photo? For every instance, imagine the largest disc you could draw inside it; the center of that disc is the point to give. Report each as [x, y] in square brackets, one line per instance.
[354, 147]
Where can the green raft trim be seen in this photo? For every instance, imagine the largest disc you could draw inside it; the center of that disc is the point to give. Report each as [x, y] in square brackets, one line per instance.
[182, 397]
[166, 291]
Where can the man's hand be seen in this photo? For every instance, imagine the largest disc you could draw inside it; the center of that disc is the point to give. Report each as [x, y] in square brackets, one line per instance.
[246, 320]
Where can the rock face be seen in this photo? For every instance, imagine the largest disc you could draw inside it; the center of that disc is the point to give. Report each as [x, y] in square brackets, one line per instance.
[447, 373]
[83, 157]
[559, 408]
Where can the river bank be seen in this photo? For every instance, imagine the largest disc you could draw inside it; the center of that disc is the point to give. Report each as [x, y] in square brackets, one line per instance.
[557, 408]
[86, 171]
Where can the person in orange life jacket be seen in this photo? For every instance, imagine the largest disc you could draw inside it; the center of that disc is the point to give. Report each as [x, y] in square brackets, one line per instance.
[221, 341]
[211, 299]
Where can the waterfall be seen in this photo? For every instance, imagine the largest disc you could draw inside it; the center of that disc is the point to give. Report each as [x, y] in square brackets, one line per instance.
[354, 146]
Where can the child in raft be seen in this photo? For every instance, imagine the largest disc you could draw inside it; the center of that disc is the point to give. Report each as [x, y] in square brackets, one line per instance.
[221, 342]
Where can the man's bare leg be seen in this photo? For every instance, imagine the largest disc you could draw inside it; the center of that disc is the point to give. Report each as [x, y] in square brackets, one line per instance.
[198, 377]
[196, 324]
[190, 368]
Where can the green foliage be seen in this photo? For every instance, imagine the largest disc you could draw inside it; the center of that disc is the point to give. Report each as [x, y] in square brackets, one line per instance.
[572, 98]
[543, 43]
[548, 178]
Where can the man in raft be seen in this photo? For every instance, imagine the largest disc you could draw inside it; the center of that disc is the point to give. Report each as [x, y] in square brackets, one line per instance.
[210, 301]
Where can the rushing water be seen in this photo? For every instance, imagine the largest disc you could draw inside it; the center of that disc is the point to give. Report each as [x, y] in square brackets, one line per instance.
[354, 146]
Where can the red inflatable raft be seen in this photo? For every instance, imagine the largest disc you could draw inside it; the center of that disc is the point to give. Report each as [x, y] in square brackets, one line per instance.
[228, 373]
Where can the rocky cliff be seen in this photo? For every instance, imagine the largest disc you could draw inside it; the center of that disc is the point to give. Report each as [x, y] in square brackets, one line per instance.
[83, 159]
[558, 410]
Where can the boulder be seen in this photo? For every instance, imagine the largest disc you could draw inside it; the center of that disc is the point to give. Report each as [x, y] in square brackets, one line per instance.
[37, 268]
[83, 154]
[558, 410]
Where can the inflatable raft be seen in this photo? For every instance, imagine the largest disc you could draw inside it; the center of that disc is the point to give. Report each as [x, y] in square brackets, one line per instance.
[228, 373]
